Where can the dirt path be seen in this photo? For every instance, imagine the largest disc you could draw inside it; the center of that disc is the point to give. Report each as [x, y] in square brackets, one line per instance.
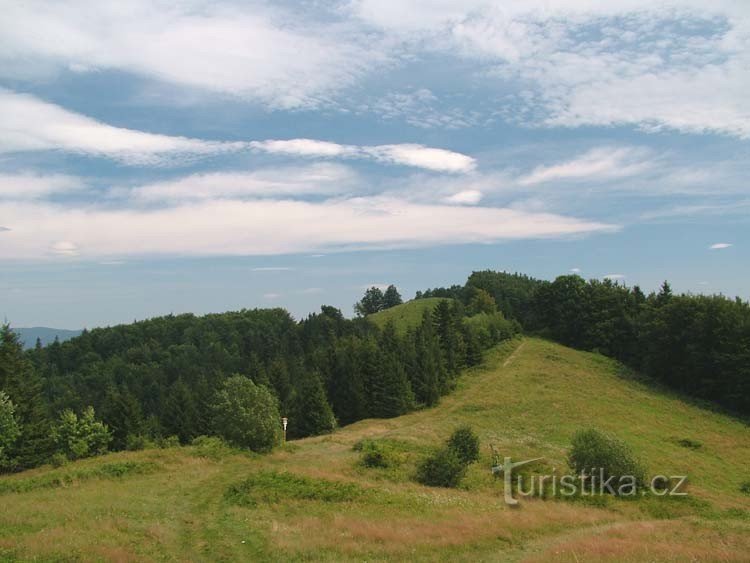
[514, 354]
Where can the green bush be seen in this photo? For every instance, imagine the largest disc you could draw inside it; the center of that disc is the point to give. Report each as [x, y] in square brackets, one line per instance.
[9, 429]
[441, 469]
[745, 487]
[247, 415]
[593, 452]
[168, 442]
[465, 443]
[137, 442]
[211, 447]
[691, 444]
[58, 460]
[80, 436]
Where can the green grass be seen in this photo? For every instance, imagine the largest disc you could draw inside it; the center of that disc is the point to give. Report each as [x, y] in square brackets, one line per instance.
[313, 500]
[407, 315]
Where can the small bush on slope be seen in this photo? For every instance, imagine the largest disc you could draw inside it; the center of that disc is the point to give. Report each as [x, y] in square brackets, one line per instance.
[593, 451]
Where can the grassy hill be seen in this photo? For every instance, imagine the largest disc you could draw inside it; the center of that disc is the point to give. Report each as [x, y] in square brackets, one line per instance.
[407, 314]
[312, 500]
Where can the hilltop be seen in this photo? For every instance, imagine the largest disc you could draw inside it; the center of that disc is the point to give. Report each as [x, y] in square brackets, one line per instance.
[407, 315]
[45, 335]
[312, 500]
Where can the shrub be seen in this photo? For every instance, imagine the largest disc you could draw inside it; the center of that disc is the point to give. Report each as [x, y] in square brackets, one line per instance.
[81, 436]
[441, 469]
[58, 460]
[168, 442]
[247, 415]
[211, 447]
[465, 443]
[688, 443]
[137, 442]
[745, 487]
[9, 429]
[593, 452]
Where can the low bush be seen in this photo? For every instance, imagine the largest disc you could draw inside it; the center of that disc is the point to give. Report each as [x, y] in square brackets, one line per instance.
[691, 444]
[211, 447]
[596, 453]
[465, 443]
[443, 468]
[745, 487]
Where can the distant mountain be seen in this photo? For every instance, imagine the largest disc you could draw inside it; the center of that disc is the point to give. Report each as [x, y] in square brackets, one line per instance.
[47, 335]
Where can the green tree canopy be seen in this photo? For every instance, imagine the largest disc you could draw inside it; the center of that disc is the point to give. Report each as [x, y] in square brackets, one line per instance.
[246, 414]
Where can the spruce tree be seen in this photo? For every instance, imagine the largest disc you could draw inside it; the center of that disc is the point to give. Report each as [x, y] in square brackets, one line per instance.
[25, 389]
[310, 413]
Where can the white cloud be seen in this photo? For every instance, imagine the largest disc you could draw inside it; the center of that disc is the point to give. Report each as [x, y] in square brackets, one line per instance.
[271, 296]
[422, 157]
[406, 154]
[304, 147]
[31, 185]
[64, 248]
[316, 179]
[251, 50]
[596, 164]
[720, 246]
[575, 270]
[30, 124]
[614, 277]
[267, 227]
[310, 290]
[273, 269]
[682, 65]
[466, 197]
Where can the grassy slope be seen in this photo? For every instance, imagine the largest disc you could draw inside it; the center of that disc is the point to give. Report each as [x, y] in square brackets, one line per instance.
[407, 314]
[527, 400]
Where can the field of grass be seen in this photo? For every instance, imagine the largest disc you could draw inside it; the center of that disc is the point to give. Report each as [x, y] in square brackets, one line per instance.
[406, 315]
[313, 500]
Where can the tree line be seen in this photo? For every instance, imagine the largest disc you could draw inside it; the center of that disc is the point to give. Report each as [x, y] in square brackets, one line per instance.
[696, 344]
[171, 376]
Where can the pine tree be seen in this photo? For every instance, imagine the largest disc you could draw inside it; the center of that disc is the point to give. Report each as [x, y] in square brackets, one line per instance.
[391, 297]
[180, 414]
[122, 413]
[310, 414]
[345, 386]
[429, 372]
[390, 392]
[25, 389]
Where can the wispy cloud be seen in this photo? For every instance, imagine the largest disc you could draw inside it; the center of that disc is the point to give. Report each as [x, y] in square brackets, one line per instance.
[316, 179]
[273, 269]
[250, 51]
[30, 124]
[405, 154]
[614, 277]
[596, 164]
[267, 227]
[33, 185]
[720, 246]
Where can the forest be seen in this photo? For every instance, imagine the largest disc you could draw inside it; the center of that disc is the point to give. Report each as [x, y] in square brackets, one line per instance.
[698, 345]
[176, 378]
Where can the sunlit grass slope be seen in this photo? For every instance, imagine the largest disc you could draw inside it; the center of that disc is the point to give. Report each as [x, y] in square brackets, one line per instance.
[312, 500]
[407, 315]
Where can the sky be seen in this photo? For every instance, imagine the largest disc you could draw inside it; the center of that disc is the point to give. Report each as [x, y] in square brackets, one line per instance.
[202, 156]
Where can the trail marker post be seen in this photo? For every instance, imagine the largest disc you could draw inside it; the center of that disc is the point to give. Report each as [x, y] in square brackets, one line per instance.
[284, 422]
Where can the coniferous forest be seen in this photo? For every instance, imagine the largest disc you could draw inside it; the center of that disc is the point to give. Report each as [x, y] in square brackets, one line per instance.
[161, 379]
[176, 378]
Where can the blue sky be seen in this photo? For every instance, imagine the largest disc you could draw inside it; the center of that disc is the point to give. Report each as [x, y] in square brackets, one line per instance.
[200, 156]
